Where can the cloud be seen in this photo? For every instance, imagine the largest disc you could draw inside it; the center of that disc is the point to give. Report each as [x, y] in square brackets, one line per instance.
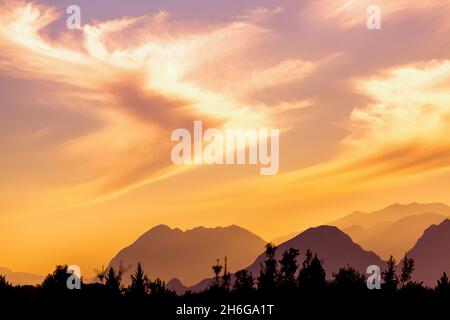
[138, 86]
[351, 13]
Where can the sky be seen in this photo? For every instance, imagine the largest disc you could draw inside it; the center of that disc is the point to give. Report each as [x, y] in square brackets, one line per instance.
[86, 117]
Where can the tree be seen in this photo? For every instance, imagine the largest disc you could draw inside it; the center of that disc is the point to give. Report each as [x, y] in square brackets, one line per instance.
[312, 274]
[268, 274]
[226, 277]
[244, 282]
[407, 270]
[139, 283]
[348, 278]
[113, 280]
[157, 288]
[101, 274]
[217, 269]
[57, 281]
[4, 284]
[288, 269]
[443, 285]
[389, 275]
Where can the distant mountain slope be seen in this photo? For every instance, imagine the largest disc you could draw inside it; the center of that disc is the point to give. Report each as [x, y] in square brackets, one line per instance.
[394, 229]
[391, 214]
[171, 253]
[334, 247]
[432, 254]
[176, 285]
[21, 278]
[400, 236]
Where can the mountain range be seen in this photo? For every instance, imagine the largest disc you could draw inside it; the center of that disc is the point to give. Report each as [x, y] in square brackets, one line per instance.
[332, 246]
[20, 278]
[394, 229]
[188, 255]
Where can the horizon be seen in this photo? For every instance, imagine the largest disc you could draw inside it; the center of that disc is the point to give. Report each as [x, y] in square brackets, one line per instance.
[287, 237]
[357, 99]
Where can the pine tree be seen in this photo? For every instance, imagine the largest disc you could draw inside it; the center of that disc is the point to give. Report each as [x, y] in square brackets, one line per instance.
[113, 280]
[443, 285]
[139, 283]
[244, 282]
[312, 275]
[407, 270]
[389, 275]
[268, 275]
[288, 269]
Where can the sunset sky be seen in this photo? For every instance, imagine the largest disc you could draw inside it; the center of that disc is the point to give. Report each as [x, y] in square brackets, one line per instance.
[86, 117]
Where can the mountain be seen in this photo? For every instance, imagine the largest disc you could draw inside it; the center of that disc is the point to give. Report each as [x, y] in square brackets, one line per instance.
[431, 254]
[398, 237]
[394, 229]
[188, 255]
[334, 247]
[391, 214]
[20, 278]
[280, 240]
[177, 286]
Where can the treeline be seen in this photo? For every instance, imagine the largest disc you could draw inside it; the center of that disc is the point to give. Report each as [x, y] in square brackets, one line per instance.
[292, 287]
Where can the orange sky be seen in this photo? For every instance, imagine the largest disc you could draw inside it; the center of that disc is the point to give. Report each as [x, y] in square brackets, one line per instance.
[86, 117]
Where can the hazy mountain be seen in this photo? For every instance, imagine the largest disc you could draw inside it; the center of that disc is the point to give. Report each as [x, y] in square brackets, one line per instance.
[20, 278]
[280, 240]
[391, 214]
[394, 229]
[171, 253]
[398, 237]
[177, 286]
[334, 247]
[432, 253]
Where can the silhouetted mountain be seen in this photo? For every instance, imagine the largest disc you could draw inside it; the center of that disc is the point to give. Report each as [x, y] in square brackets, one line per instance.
[392, 230]
[20, 278]
[432, 253]
[176, 285]
[332, 246]
[171, 253]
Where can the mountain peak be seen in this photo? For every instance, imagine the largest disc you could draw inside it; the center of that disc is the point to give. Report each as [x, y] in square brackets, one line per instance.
[430, 253]
[168, 253]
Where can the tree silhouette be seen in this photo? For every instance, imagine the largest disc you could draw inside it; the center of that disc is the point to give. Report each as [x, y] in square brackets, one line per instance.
[226, 277]
[389, 275]
[101, 274]
[3, 282]
[443, 285]
[312, 274]
[244, 282]
[348, 278]
[268, 274]
[139, 284]
[407, 270]
[158, 288]
[217, 269]
[288, 268]
[57, 281]
[113, 280]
